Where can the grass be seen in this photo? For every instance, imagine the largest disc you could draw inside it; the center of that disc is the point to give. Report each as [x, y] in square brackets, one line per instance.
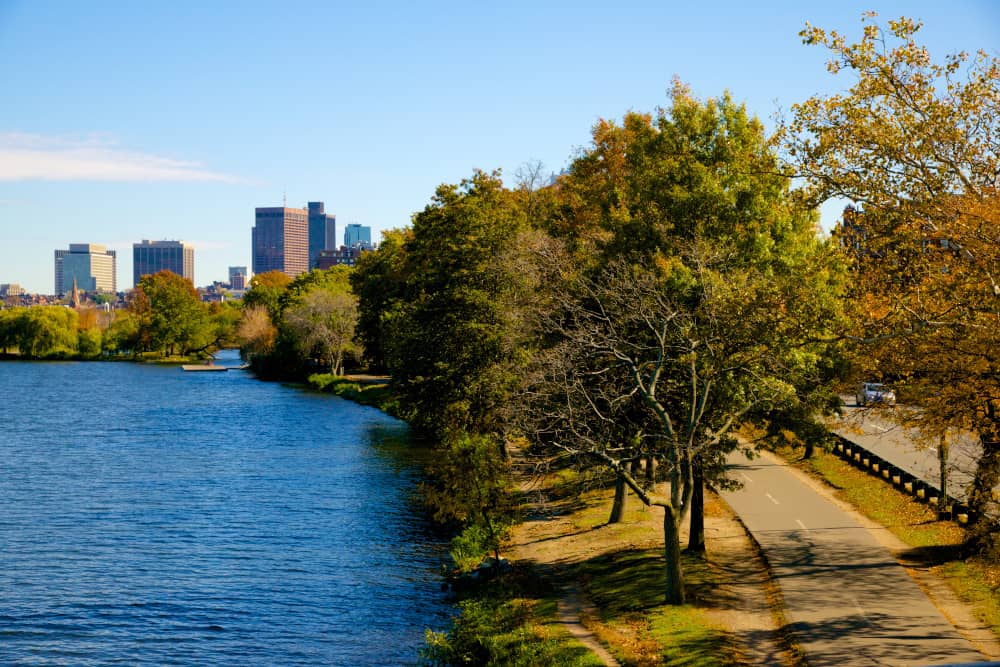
[512, 622]
[625, 584]
[627, 587]
[373, 394]
[634, 623]
[975, 581]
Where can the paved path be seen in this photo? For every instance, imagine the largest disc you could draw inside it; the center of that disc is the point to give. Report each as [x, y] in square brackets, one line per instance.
[847, 600]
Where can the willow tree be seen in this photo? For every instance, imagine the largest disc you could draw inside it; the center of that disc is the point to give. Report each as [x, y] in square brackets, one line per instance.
[916, 143]
[704, 310]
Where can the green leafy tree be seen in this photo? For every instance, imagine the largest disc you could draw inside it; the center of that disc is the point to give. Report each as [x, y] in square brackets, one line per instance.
[379, 280]
[454, 338]
[700, 313]
[47, 332]
[322, 323]
[177, 321]
[471, 487]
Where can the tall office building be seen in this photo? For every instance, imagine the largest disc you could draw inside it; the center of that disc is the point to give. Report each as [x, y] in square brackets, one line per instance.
[92, 265]
[356, 235]
[322, 231]
[155, 256]
[281, 240]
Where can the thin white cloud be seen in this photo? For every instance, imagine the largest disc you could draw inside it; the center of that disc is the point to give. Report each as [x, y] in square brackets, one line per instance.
[29, 157]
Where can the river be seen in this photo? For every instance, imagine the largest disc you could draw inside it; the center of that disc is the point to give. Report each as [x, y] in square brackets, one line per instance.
[152, 516]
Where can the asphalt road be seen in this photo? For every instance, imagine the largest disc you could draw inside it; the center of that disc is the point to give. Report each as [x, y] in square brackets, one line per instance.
[873, 429]
[847, 600]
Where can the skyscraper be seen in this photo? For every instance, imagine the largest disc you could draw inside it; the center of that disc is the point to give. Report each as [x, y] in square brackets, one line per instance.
[322, 231]
[281, 240]
[92, 265]
[155, 256]
[356, 235]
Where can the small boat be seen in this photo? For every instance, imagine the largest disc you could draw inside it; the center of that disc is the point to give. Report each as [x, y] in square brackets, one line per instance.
[203, 367]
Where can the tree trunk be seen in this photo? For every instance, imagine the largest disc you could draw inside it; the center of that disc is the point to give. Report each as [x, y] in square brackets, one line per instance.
[618, 507]
[672, 553]
[944, 508]
[981, 494]
[696, 536]
[650, 471]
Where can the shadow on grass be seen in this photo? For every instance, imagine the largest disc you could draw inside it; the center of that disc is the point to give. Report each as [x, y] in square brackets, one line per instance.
[930, 556]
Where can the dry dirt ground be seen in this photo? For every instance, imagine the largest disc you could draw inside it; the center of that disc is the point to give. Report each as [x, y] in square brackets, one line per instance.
[553, 540]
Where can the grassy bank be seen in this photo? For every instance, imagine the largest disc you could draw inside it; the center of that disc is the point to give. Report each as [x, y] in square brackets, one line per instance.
[935, 544]
[566, 550]
[365, 390]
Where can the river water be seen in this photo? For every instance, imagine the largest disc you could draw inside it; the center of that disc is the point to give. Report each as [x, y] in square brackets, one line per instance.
[151, 516]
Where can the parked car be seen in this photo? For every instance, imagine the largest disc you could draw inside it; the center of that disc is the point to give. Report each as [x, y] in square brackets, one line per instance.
[874, 392]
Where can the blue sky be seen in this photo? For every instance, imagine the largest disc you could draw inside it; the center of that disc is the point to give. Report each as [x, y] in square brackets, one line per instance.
[123, 121]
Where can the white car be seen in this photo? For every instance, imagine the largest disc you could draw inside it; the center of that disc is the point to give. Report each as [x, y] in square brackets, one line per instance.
[874, 392]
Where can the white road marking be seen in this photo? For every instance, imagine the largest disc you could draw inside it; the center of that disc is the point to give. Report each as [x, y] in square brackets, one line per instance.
[745, 476]
[771, 498]
[801, 525]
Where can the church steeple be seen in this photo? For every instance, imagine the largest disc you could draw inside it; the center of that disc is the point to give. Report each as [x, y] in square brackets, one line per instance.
[74, 298]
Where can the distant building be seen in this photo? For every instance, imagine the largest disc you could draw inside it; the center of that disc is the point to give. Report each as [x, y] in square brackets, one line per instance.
[11, 289]
[154, 256]
[346, 256]
[238, 278]
[322, 231]
[91, 265]
[281, 240]
[357, 236]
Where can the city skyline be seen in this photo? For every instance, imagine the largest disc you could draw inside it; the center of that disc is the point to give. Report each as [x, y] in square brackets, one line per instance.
[119, 132]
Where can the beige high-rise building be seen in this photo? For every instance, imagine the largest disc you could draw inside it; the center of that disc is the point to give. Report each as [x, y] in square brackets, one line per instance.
[92, 265]
[281, 240]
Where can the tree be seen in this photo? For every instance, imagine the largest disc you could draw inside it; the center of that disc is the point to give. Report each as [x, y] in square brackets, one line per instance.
[177, 318]
[470, 485]
[46, 331]
[379, 280]
[704, 309]
[323, 324]
[454, 339]
[917, 144]
[266, 289]
[256, 333]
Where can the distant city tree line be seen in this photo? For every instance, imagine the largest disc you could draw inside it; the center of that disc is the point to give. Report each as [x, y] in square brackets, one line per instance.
[164, 318]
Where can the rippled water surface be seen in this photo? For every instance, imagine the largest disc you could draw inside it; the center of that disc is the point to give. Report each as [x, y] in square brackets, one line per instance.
[151, 516]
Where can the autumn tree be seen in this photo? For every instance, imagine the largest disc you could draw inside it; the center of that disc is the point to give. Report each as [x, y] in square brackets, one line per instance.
[702, 311]
[916, 144]
[266, 290]
[256, 333]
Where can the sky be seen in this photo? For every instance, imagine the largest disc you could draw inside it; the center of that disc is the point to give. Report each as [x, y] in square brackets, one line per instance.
[123, 121]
